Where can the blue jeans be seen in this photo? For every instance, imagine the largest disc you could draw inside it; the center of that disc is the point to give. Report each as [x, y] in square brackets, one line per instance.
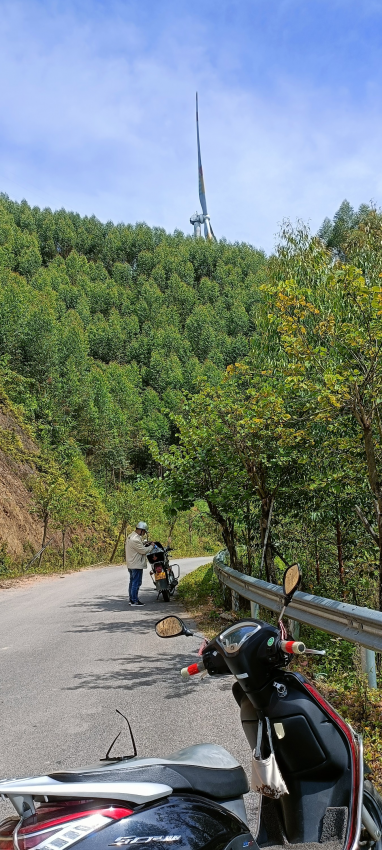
[134, 584]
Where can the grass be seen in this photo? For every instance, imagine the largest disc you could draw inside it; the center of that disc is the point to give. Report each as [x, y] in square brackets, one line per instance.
[338, 676]
[362, 708]
[78, 558]
[201, 594]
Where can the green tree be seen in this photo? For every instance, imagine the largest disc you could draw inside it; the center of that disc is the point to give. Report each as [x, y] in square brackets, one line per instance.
[331, 332]
[45, 488]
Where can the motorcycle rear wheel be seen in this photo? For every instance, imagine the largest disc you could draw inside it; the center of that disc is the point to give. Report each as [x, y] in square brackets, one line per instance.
[166, 595]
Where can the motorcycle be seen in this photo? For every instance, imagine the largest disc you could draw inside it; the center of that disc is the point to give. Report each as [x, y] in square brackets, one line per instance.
[194, 798]
[162, 572]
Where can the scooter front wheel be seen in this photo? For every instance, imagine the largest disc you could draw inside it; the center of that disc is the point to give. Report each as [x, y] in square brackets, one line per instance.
[373, 803]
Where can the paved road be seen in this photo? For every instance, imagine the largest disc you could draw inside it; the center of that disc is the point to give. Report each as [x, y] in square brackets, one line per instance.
[72, 650]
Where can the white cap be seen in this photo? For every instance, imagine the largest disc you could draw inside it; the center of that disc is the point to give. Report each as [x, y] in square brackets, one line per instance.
[142, 525]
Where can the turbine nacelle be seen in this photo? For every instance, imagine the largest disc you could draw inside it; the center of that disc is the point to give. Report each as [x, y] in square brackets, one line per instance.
[197, 220]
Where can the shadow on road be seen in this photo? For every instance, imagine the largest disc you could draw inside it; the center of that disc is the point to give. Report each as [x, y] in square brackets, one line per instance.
[159, 667]
[113, 604]
[143, 625]
[140, 671]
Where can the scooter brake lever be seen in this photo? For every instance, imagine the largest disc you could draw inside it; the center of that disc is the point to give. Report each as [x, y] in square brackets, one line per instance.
[315, 652]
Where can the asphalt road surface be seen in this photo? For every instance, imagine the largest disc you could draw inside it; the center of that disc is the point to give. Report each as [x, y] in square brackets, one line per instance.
[72, 650]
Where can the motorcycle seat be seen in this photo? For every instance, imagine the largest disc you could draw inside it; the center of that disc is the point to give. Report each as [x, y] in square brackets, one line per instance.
[206, 769]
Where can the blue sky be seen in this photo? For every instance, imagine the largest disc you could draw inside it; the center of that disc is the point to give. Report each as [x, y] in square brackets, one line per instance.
[97, 109]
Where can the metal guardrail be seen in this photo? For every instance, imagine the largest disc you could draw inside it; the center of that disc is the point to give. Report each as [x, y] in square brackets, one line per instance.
[353, 623]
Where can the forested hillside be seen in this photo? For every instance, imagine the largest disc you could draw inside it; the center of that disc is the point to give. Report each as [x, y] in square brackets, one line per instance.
[219, 394]
[102, 330]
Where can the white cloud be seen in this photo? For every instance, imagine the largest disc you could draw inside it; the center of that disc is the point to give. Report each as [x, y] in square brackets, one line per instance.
[98, 116]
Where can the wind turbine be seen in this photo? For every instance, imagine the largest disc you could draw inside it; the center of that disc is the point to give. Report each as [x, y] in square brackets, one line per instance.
[201, 218]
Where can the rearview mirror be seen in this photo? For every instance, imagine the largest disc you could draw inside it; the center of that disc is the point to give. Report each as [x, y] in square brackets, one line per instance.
[171, 627]
[291, 581]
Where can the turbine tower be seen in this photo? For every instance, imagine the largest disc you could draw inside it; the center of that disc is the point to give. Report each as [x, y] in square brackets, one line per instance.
[201, 218]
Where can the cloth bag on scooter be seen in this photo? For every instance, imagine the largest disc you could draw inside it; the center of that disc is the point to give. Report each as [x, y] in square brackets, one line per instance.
[266, 776]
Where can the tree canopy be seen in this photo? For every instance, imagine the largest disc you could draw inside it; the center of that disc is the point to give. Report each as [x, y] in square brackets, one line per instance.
[104, 327]
[203, 384]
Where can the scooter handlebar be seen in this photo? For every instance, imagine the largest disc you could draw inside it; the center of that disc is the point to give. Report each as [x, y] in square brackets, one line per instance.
[293, 647]
[193, 669]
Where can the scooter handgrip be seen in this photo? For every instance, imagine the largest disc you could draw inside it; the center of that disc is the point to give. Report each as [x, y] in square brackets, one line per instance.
[293, 647]
[192, 670]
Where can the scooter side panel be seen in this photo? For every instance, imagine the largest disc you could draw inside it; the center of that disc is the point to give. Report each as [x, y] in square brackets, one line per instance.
[312, 754]
[180, 821]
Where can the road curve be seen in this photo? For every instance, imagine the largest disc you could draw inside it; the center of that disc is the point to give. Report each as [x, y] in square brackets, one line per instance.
[72, 651]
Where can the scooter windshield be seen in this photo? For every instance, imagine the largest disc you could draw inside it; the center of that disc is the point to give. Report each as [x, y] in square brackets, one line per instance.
[234, 637]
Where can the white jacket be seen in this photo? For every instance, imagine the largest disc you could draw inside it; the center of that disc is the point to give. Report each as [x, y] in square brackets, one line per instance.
[136, 552]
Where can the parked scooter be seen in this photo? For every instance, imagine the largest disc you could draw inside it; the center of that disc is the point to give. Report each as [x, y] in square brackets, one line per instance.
[162, 572]
[194, 798]
[307, 762]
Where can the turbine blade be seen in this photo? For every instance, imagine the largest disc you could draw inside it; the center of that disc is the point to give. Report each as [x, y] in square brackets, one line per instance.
[212, 233]
[202, 191]
[208, 230]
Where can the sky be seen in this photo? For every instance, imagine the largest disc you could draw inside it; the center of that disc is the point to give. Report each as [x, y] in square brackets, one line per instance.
[97, 109]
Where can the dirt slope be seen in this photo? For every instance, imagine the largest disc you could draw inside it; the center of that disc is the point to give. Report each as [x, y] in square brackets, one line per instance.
[20, 529]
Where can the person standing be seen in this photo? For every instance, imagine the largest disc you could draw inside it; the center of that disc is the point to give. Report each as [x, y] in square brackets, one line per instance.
[136, 551]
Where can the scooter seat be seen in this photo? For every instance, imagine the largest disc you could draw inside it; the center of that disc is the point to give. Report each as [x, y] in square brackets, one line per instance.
[204, 768]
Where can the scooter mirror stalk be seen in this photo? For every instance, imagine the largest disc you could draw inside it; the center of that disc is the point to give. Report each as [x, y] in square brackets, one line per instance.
[172, 627]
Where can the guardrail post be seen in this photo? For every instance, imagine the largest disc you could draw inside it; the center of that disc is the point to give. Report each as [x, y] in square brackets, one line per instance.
[254, 610]
[368, 666]
[235, 600]
[294, 628]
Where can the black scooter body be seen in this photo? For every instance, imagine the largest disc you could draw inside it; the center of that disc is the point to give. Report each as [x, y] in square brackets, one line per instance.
[196, 822]
[314, 758]
[311, 742]
[187, 822]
